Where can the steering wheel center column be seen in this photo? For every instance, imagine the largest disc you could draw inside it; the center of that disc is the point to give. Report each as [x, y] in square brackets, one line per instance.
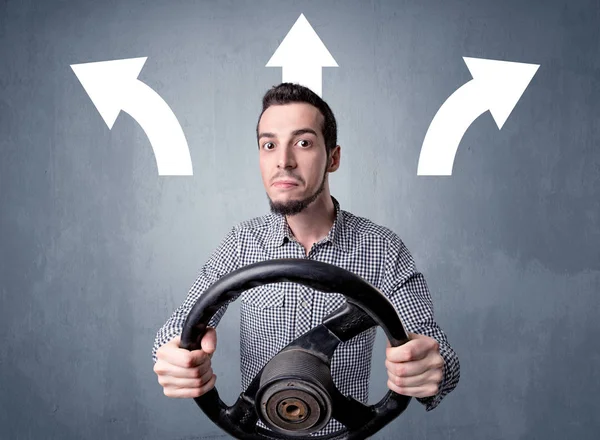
[295, 392]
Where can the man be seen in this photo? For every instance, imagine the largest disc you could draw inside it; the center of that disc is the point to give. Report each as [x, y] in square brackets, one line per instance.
[297, 137]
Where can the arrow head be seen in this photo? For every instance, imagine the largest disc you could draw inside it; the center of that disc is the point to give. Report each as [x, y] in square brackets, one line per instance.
[107, 83]
[502, 82]
[300, 46]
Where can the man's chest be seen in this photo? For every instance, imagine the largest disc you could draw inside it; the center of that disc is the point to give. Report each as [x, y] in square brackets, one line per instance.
[366, 260]
[290, 308]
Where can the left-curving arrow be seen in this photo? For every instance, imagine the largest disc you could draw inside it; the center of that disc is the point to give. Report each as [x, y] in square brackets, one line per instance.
[114, 86]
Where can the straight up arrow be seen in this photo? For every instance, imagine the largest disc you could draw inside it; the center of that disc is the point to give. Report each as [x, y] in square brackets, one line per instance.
[302, 56]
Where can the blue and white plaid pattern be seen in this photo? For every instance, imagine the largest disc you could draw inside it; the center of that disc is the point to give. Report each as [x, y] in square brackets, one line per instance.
[273, 315]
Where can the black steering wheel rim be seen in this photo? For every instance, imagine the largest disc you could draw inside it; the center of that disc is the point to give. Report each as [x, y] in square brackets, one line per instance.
[365, 307]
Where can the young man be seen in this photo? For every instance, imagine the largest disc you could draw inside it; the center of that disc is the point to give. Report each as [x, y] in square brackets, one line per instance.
[297, 137]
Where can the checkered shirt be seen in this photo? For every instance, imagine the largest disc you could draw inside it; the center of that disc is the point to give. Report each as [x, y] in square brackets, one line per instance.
[273, 315]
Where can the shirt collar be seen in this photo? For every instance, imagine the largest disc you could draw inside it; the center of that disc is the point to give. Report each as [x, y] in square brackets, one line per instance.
[281, 232]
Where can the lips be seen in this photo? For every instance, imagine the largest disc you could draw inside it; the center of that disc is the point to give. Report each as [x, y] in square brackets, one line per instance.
[285, 183]
[289, 180]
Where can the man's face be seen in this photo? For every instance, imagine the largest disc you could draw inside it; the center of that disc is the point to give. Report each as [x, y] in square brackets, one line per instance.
[293, 160]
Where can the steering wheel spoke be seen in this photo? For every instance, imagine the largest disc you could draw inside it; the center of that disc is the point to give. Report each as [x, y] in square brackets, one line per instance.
[319, 341]
[243, 413]
[342, 325]
[348, 321]
[350, 412]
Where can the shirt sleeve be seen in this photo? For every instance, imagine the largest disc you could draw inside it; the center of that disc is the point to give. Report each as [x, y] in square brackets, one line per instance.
[410, 296]
[223, 260]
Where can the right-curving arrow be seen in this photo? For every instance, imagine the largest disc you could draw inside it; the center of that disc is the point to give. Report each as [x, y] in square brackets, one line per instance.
[496, 86]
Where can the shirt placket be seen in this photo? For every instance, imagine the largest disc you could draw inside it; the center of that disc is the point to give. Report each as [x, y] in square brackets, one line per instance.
[304, 303]
[303, 311]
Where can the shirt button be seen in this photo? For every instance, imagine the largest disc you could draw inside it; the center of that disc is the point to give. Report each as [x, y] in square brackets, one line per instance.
[304, 304]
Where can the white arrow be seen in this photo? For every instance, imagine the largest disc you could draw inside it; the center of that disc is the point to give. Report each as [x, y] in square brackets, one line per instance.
[302, 56]
[113, 86]
[496, 86]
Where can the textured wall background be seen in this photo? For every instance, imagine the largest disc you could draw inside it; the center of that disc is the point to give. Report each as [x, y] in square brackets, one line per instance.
[96, 249]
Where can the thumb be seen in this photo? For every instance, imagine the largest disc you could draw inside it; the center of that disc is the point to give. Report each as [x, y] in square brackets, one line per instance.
[209, 340]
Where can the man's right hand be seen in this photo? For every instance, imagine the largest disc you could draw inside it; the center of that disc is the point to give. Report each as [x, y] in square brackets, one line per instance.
[183, 373]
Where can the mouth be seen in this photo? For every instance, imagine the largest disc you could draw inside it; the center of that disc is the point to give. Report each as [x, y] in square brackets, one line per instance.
[285, 184]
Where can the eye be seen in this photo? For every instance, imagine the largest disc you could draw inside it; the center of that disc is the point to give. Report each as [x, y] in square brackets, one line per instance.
[304, 140]
[265, 146]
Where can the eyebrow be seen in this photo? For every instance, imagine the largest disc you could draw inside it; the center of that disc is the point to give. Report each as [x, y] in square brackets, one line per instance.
[294, 133]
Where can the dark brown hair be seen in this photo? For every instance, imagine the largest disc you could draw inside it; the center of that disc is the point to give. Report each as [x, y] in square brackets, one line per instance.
[286, 93]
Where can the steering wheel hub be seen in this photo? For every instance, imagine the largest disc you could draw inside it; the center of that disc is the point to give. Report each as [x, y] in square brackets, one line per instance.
[294, 396]
[292, 409]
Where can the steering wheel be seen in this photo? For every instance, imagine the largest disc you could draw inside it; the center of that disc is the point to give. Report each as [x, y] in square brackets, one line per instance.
[294, 394]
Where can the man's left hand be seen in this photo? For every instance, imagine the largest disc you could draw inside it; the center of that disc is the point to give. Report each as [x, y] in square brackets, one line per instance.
[415, 368]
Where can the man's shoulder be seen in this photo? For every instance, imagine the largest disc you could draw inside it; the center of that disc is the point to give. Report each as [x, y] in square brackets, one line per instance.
[365, 232]
[253, 224]
[360, 226]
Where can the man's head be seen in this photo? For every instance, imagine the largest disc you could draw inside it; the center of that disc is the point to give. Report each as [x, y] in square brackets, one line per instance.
[297, 135]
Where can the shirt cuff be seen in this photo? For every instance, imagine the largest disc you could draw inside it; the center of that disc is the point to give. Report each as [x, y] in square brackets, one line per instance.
[431, 402]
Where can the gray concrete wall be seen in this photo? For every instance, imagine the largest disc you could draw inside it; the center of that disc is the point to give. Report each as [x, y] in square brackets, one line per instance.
[97, 249]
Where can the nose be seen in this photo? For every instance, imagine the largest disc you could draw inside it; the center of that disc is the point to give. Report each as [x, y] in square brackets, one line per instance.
[286, 157]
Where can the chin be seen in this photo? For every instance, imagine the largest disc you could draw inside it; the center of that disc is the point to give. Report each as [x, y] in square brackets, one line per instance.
[285, 198]
[286, 194]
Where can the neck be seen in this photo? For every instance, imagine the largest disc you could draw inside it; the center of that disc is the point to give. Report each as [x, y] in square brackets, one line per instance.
[314, 222]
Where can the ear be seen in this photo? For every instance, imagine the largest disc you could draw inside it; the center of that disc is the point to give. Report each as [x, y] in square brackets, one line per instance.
[334, 159]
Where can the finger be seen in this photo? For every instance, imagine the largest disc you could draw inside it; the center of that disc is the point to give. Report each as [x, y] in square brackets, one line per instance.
[191, 393]
[407, 369]
[182, 357]
[186, 383]
[430, 377]
[164, 368]
[210, 384]
[419, 392]
[207, 376]
[209, 341]
[413, 350]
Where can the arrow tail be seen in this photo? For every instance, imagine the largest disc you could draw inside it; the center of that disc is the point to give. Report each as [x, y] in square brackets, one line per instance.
[161, 126]
[447, 128]
[310, 76]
